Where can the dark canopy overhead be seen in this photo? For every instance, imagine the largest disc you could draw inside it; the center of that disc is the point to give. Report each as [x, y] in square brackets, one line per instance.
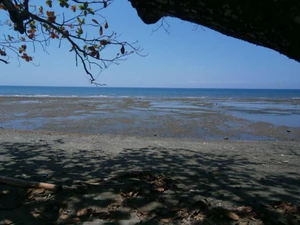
[274, 24]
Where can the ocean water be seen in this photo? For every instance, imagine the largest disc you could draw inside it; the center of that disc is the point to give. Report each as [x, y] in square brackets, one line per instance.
[149, 92]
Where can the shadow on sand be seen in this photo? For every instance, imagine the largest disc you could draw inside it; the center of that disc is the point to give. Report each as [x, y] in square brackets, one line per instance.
[154, 184]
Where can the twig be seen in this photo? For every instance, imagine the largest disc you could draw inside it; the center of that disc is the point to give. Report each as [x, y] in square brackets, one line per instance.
[2, 60]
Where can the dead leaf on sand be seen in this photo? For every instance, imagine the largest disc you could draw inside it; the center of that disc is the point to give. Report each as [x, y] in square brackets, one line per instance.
[129, 194]
[8, 222]
[160, 189]
[246, 212]
[39, 194]
[285, 207]
[36, 211]
[114, 206]
[197, 215]
[165, 220]
[82, 212]
[141, 213]
[244, 209]
[39, 214]
[68, 220]
[63, 217]
[232, 215]
[38, 191]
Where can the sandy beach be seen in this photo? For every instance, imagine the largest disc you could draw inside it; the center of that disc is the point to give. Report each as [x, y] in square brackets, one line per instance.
[130, 165]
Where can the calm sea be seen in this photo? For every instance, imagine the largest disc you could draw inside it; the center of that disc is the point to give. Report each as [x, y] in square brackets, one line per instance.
[149, 92]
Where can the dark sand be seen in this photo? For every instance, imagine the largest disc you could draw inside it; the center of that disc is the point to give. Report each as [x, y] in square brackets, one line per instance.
[140, 177]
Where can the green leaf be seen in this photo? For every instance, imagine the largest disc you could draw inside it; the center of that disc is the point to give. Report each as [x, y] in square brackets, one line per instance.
[10, 38]
[85, 5]
[49, 3]
[41, 9]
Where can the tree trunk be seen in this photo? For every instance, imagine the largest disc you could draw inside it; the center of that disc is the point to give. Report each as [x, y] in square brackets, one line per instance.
[274, 24]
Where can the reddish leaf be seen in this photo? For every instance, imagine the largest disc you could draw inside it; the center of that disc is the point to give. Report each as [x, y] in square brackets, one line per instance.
[106, 25]
[51, 16]
[95, 21]
[104, 42]
[50, 13]
[2, 53]
[53, 35]
[93, 54]
[101, 31]
[73, 8]
[91, 48]
[31, 36]
[31, 31]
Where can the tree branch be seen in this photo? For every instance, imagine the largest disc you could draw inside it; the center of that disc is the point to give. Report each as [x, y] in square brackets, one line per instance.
[269, 23]
[16, 17]
[46, 26]
[4, 61]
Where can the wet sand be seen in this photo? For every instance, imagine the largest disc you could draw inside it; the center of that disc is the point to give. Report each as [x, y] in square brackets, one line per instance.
[201, 119]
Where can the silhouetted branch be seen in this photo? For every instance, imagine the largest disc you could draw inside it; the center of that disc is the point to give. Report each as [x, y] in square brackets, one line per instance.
[4, 61]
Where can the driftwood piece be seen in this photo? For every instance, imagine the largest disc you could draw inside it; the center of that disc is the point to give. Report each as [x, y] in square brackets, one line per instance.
[28, 184]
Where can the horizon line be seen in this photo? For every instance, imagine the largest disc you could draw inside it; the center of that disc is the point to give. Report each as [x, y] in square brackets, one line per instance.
[149, 87]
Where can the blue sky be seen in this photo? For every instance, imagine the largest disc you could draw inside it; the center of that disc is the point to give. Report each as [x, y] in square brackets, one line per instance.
[186, 57]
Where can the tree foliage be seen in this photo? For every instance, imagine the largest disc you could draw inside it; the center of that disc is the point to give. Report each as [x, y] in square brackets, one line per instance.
[74, 22]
